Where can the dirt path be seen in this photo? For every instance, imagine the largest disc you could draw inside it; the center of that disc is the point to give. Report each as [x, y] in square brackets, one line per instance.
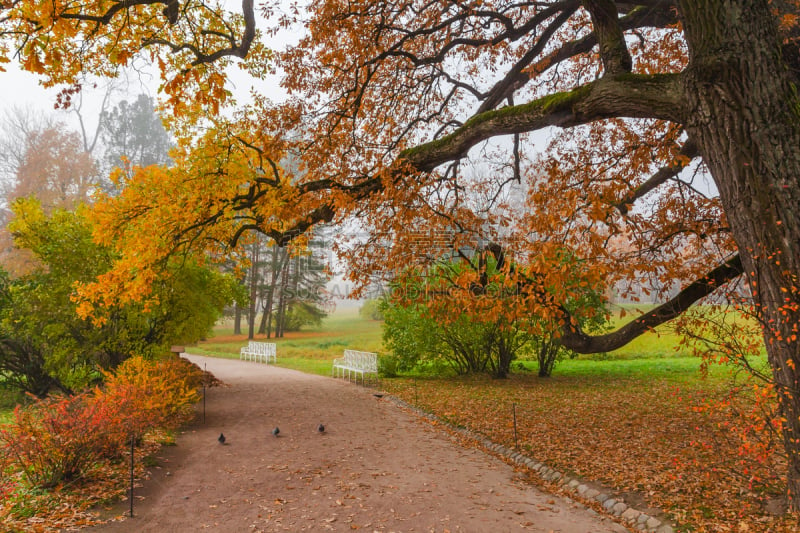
[376, 468]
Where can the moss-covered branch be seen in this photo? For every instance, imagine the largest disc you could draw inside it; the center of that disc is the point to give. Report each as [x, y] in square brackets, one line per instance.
[626, 95]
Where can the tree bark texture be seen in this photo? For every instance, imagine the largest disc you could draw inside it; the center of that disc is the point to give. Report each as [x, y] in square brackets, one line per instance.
[744, 114]
[280, 319]
[276, 265]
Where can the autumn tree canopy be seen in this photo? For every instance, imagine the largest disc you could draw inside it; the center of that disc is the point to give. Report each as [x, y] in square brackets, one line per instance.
[45, 345]
[56, 169]
[419, 118]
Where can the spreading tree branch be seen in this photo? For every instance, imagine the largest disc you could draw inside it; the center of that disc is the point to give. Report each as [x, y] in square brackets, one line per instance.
[171, 12]
[627, 95]
[658, 15]
[578, 341]
[688, 152]
[235, 50]
[613, 50]
[115, 8]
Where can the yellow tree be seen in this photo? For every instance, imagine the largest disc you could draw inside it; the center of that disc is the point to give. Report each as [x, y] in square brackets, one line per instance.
[420, 116]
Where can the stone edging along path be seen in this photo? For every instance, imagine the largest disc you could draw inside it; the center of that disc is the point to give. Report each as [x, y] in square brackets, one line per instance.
[573, 487]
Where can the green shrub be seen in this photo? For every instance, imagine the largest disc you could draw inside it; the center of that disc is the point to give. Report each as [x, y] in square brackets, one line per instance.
[388, 366]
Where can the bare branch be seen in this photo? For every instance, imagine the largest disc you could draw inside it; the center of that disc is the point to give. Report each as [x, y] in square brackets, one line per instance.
[689, 150]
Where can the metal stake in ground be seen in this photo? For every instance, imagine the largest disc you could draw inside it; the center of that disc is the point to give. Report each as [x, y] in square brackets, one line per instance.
[205, 369]
[133, 442]
[514, 410]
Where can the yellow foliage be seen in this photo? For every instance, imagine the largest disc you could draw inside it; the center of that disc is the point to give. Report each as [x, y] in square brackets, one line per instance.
[152, 393]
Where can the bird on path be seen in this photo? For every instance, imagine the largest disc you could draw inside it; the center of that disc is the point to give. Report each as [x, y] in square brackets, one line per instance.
[276, 431]
[221, 438]
[321, 428]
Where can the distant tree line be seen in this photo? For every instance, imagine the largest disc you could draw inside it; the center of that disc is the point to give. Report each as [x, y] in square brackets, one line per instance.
[286, 290]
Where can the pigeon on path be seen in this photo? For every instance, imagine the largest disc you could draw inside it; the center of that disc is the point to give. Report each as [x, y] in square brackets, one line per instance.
[276, 431]
[321, 428]
[221, 438]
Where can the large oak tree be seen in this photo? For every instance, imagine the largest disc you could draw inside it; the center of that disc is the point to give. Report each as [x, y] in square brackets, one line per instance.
[399, 102]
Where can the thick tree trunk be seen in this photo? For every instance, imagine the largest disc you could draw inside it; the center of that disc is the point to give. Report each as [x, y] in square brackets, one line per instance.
[744, 116]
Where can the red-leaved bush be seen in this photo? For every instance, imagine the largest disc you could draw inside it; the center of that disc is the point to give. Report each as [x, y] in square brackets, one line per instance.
[55, 440]
[62, 438]
[8, 482]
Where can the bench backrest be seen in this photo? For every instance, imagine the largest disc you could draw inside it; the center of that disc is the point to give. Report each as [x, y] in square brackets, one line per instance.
[266, 348]
[366, 360]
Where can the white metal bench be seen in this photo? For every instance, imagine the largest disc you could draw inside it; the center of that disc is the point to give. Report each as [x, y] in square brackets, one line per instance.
[354, 363]
[260, 352]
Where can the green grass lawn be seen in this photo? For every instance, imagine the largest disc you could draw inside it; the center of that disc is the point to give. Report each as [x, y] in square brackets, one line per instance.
[676, 368]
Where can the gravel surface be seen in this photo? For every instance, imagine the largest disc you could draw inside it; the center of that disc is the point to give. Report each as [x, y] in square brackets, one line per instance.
[376, 467]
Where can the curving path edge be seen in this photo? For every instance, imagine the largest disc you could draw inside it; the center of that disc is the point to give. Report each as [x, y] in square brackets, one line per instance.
[376, 467]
